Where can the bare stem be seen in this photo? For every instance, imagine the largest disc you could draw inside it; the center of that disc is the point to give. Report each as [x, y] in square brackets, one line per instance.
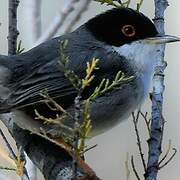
[32, 11]
[127, 167]
[167, 162]
[12, 50]
[75, 18]
[135, 121]
[147, 121]
[13, 32]
[76, 132]
[157, 123]
[134, 168]
[12, 154]
[58, 21]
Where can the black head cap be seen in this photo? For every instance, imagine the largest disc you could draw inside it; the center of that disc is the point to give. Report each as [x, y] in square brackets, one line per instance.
[121, 25]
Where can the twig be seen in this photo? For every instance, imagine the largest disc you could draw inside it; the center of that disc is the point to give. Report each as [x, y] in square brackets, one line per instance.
[13, 32]
[32, 12]
[77, 105]
[157, 101]
[127, 167]
[135, 121]
[139, 5]
[15, 158]
[85, 129]
[167, 152]
[7, 168]
[57, 107]
[165, 156]
[57, 21]
[12, 50]
[147, 121]
[12, 154]
[134, 168]
[75, 18]
[89, 148]
[167, 162]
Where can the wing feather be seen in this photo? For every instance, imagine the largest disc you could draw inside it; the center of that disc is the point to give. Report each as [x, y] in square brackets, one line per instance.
[47, 74]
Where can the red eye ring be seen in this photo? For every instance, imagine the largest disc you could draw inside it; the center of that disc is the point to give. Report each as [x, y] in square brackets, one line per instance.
[128, 30]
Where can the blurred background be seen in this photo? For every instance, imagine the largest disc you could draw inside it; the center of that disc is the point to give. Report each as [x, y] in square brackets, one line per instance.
[108, 158]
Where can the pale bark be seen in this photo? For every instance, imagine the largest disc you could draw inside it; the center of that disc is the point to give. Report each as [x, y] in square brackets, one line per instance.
[155, 141]
[57, 22]
[32, 12]
[83, 6]
[13, 32]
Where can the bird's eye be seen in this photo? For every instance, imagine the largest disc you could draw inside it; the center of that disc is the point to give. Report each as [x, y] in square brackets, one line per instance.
[128, 30]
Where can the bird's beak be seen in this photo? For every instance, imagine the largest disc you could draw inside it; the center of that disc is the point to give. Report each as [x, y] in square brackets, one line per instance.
[162, 39]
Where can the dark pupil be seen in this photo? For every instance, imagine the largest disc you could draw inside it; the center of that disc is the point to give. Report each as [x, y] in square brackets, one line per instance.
[128, 30]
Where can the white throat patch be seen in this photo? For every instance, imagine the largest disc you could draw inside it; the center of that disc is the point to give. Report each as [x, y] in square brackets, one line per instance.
[144, 56]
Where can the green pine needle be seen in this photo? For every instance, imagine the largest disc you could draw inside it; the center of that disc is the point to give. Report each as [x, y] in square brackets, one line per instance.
[19, 48]
[105, 85]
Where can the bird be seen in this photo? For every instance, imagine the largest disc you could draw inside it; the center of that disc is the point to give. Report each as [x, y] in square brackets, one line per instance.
[122, 39]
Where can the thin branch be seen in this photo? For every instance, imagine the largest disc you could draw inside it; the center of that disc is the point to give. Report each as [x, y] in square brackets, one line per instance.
[12, 50]
[56, 107]
[58, 21]
[13, 32]
[157, 101]
[134, 168]
[7, 169]
[83, 6]
[20, 170]
[167, 162]
[139, 5]
[127, 167]
[166, 154]
[135, 121]
[89, 148]
[147, 121]
[12, 153]
[77, 104]
[32, 12]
